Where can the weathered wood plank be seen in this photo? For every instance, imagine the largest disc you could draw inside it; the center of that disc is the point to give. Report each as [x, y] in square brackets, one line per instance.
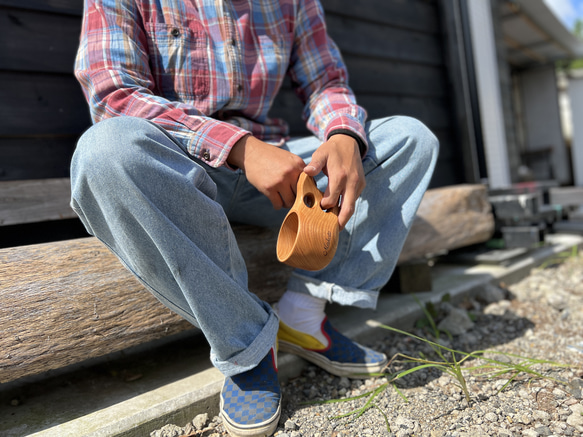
[36, 104]
[449, 218]
[37, 41]
[34, 201]
[68, 301]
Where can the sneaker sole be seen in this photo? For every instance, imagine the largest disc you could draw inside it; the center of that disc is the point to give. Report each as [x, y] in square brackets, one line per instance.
[349, 370]
[263, 429]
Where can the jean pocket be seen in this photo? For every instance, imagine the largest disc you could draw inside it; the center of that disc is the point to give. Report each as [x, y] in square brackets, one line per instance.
[179, 61]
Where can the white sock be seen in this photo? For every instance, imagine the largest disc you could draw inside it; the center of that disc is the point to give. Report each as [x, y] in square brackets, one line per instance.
[303, 312]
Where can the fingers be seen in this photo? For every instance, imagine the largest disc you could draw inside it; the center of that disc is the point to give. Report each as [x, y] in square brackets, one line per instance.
[346, 210]
[337, 184]
[339, 159]
[314, 167]
[276, 201]
[282, 198]
[273, 171]
[347, 188]
[288, 197]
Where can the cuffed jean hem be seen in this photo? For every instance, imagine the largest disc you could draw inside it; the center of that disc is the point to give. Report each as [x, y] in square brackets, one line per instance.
[333, 293]
[254, 353]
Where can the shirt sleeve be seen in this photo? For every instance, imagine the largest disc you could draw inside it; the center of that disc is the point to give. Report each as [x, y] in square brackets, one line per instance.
[320, 79]
[112, 68]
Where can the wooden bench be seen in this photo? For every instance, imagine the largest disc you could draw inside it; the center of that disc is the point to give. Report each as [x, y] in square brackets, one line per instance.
[65, 302]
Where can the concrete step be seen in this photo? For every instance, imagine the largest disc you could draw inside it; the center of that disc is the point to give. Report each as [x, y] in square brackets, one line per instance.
[134, 393]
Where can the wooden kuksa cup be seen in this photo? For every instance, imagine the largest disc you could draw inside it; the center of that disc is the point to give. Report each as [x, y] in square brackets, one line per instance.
[308, 236]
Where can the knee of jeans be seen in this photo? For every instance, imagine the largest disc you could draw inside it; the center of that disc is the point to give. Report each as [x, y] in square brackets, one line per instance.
[404, 133]
[111, 139]
[104, 155]
[420, 137]
[426, 139]
[108, 145]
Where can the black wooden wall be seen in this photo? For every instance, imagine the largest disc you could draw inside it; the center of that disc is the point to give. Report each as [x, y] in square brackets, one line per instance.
[393, 49]
[42, 109]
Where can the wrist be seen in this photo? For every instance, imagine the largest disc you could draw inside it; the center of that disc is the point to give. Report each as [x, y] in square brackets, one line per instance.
[362, 147]
[246, 150]
[236, 156]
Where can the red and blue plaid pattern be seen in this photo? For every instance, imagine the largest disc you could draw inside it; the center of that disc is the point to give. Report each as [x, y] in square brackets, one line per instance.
[208, 70]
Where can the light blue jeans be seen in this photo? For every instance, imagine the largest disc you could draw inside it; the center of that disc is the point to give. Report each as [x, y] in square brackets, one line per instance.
[167, 218]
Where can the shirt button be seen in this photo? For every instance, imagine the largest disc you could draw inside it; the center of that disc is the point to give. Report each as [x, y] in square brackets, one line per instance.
[233, 42]
[175, 32]
[206, 155]
[239, 87]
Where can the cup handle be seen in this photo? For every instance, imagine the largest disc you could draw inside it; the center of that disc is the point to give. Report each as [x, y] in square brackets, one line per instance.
[307, 185]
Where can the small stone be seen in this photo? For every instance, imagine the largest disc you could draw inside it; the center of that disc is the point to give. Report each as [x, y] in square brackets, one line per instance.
[557, 300]
[491, 293]
[529, 433]
[344, 382]
[200, 421]
[524, 418]
[406, 427]
[457, 322]
[576, 388]
[541, 415]
[295, 434]
[576, 418]
[543, 431]
[168, 431]
[497, 308]
[313, 392]
[492, 417]
[290, 425]
[189, 429]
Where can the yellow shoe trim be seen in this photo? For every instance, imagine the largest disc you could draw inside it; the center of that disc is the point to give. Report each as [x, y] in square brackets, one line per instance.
[299, 338]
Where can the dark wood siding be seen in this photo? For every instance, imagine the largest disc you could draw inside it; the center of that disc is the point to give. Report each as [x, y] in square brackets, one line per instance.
[393, 50]
[42, 108]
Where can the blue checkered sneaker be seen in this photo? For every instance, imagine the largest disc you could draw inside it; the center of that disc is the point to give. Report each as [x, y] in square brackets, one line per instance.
[251, 401]
[342, 357]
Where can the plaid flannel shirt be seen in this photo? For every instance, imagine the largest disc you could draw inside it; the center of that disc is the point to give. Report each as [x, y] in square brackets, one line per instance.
[208, 71]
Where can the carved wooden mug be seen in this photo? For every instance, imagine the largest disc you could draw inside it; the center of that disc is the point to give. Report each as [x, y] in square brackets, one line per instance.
[308, 236]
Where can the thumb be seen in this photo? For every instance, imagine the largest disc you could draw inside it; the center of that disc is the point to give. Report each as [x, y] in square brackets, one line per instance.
[315, 166]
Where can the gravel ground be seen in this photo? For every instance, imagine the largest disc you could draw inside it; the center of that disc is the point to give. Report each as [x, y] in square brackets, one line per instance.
[541, 317]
